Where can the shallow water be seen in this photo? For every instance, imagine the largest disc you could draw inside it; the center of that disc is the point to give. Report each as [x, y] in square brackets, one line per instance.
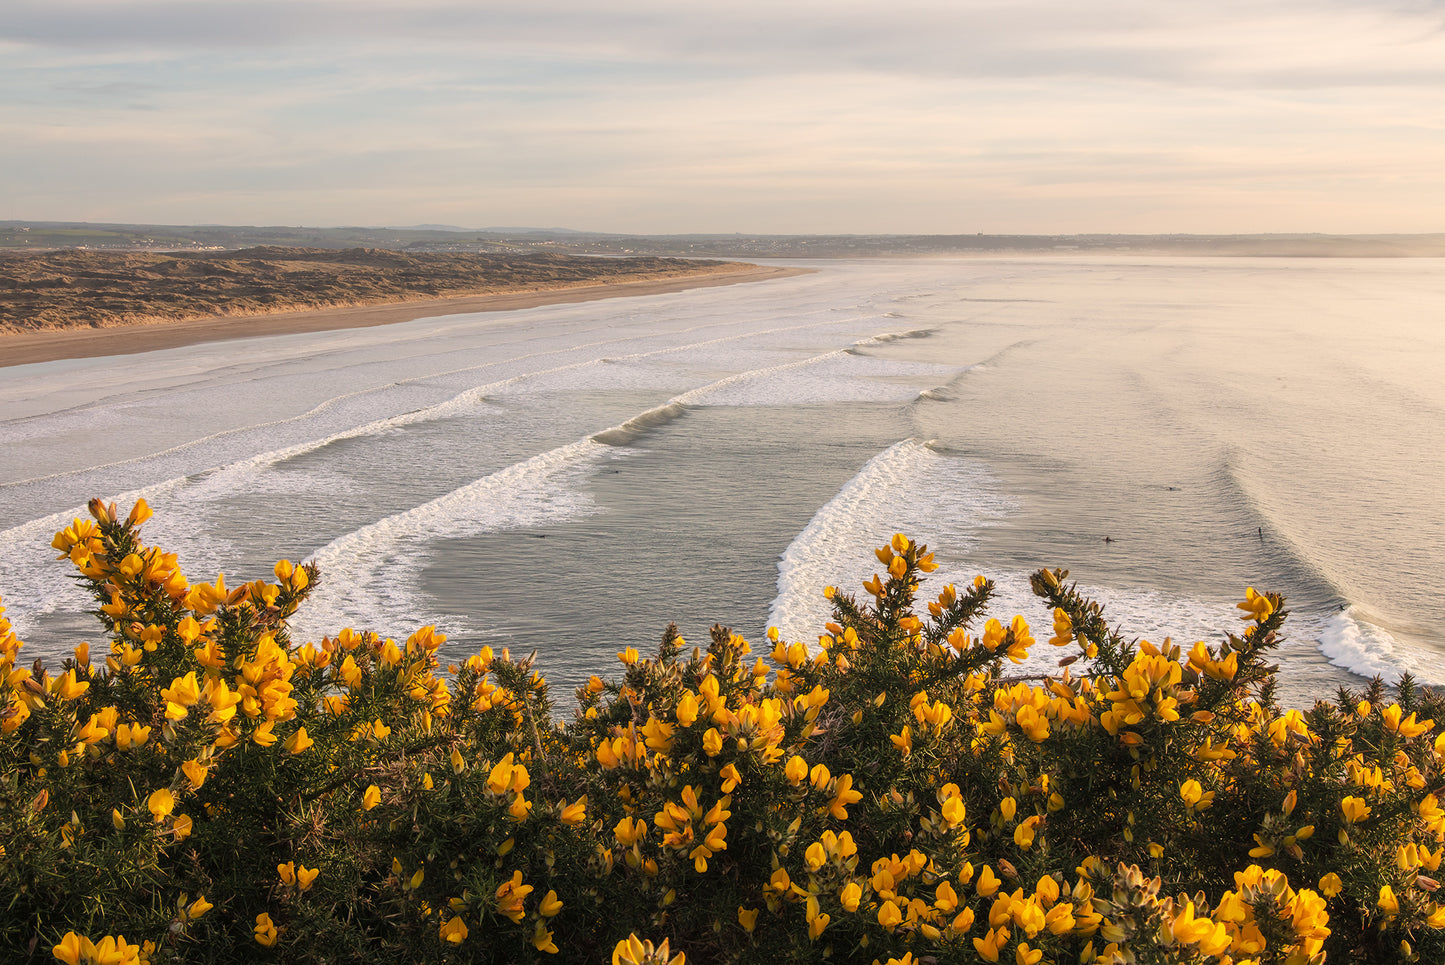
[572, 478]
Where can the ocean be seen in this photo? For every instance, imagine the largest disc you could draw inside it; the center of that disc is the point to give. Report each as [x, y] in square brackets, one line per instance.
[569, 479]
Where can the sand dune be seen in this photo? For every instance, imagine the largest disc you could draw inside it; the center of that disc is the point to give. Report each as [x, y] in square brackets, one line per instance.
[81, 304]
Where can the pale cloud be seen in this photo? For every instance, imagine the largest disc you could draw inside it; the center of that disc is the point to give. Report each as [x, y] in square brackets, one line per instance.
[1036, 115]
[1197, 40]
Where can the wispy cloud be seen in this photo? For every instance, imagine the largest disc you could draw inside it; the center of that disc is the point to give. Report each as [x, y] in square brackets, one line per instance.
[866, 116]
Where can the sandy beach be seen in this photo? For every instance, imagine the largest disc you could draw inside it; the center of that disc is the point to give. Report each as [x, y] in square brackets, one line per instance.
[45, 346]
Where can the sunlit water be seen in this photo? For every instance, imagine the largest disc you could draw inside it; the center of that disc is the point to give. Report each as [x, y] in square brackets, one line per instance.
[569, 479]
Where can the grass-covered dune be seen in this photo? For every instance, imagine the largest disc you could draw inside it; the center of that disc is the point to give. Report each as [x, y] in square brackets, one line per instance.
[58, 290]
[202, 787]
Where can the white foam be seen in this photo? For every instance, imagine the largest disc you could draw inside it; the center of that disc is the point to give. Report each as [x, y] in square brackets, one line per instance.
[939, 500]
[943, 501]
[884, 338]
[371, 575]
[1136, 613]
[182, 459]
[541, 490]
[181, 526]
[32, 581]
[38, 428]
[837, 376]
[468, 399]
[1361, 647]
[1349, 642]
[239, 476]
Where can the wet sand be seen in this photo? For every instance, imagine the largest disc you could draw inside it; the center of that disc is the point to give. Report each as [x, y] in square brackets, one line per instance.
[47, 346]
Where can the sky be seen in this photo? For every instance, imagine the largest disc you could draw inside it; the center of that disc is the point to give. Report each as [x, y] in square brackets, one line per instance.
[656, 116]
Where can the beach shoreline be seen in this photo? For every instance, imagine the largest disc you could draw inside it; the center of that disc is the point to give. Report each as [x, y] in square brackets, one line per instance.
[26, 348]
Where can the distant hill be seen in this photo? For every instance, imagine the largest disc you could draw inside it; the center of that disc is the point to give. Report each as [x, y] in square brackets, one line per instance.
[37, 235]
[534, 231]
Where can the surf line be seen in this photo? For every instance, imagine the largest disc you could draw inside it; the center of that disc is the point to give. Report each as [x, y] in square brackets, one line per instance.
[37, 531]
[588, 449]
[535, 491]
[909, 486]
[614, 435]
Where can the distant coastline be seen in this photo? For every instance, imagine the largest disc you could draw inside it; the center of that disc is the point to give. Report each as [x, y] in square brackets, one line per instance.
[140, 302]
[428, 239]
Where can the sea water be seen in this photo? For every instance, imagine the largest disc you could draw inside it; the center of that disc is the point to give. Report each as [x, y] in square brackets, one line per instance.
[570, 479]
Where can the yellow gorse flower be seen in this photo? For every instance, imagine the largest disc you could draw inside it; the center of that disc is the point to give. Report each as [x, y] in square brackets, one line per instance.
[542, 939]
[182, 694]
[1194, 796]
[575, 813]
[738, 767]
[298, 742]
[160, 803]
[76, 949]
[634, 951]
[70, 949]
[511, 896]
[1355, 809]
[1387, 902]
[453, 930]
[265, 931]
[1255, 606]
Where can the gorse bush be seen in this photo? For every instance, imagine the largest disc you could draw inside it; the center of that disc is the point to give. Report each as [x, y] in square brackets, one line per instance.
[208, 789]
